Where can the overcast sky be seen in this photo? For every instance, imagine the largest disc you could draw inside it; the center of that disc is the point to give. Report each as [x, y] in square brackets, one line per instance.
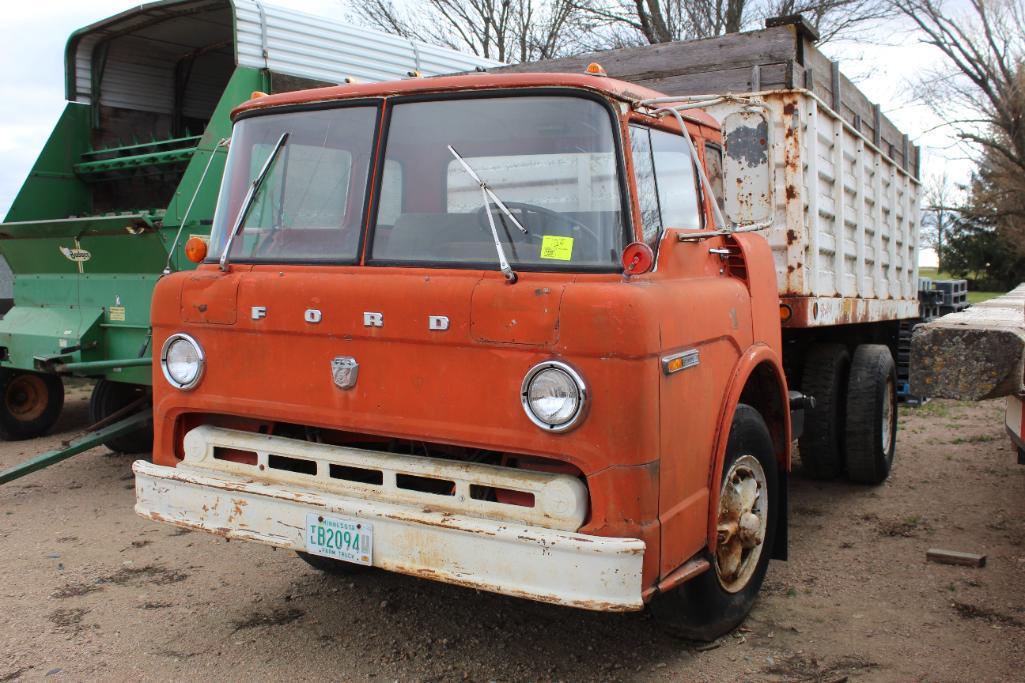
[33, 35]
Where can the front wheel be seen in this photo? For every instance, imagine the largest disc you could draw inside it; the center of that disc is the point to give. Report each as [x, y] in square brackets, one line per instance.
[30, 403]
[715, 602]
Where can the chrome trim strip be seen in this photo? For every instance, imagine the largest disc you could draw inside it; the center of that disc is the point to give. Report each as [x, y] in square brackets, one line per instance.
[691, 357]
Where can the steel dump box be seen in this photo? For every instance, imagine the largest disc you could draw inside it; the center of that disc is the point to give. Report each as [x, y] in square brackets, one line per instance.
[845, 230]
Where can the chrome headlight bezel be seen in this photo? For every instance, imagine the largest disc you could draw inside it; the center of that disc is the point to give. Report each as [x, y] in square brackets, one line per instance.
[582, 396]
[181, 336]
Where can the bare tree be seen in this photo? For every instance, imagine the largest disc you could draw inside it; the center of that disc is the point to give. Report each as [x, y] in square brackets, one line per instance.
[940, 212]
[980, 92]
[506, 30]
[659, 21]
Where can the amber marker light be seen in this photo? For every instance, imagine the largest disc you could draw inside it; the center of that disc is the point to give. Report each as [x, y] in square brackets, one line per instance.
[257, 93]
[195, 249]
[785, 313]
[595, 69]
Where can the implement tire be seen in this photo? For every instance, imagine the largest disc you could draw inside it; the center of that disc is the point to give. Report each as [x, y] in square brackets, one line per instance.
[108, 398]
[717, 601]
[30, 403]
[871, 430]
[825, 377]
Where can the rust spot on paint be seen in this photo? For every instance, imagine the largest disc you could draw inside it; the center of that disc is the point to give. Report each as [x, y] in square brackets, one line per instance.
[788, 108]
[791, 192]
[791, 236]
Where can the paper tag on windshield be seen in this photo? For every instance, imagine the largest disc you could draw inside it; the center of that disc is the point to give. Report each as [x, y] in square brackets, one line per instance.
[558, 248]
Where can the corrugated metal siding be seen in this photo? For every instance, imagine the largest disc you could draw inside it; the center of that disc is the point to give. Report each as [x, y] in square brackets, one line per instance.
[139, 72]
[325, 49]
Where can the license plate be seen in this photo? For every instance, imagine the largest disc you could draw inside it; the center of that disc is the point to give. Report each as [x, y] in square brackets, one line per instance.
[340, 538]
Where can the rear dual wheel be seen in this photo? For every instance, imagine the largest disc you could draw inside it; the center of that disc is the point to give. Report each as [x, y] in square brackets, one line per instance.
[715, 602]
[871, 427]
[852, 429]
[30, 403]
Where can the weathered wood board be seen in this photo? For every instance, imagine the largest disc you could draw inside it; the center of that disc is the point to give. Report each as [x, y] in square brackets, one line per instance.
[782, 56]
[973, 355]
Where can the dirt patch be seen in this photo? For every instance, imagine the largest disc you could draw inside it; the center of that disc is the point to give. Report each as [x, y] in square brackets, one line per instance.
[857, 598]
[908, 527]
[967, 611]
[149, 574]
[276, 617]
[155, 575]
[808, 668]
[74, 590]
[69, 620]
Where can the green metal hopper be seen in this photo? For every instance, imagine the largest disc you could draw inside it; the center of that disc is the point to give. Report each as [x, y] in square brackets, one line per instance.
[132, 170]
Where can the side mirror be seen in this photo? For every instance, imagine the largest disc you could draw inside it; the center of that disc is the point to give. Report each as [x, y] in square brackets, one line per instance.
[747, 167]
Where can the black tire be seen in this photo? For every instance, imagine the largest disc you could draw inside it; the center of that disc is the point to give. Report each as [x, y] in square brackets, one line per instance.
[826, 369]
[108, 398]
[332, 566]
[871, 430]
[30, 403]
[703, 609]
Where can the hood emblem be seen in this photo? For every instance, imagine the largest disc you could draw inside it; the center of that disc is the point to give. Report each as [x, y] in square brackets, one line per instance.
[344, 371]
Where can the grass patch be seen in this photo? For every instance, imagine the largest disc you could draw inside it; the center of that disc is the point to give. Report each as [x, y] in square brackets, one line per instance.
[979, 297]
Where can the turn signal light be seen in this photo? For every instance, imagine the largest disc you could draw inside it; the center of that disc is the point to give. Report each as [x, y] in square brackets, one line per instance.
[257, 93]
[785, 313]
[195, 249]
[595, 69]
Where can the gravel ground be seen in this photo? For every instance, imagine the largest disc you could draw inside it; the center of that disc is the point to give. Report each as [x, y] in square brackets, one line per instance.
[88, 590]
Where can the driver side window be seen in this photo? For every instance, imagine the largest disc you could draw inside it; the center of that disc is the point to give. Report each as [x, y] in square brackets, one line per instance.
[666, 182]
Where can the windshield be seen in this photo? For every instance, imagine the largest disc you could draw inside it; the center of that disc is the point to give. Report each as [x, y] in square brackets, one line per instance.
[550, 160]
[309, 206]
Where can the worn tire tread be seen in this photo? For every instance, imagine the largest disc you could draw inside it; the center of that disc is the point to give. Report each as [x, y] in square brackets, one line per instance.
[824, 377]
[871, 365]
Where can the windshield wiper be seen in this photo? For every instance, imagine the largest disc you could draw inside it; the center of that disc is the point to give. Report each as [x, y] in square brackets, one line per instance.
[250, 199]
[487, 194]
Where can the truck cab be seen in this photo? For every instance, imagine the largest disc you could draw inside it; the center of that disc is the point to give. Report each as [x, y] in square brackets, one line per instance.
[485, 329]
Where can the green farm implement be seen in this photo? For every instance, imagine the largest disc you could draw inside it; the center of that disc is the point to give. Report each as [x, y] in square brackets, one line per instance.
[132, 170]
[126, 172]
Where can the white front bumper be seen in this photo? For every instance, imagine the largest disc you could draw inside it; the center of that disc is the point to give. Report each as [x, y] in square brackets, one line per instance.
[590, 572]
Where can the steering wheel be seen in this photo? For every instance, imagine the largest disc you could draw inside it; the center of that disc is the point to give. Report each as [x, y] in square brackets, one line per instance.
[526, 209]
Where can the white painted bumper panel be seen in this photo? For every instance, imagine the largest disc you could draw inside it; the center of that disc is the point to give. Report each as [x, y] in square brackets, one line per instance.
[590, 572]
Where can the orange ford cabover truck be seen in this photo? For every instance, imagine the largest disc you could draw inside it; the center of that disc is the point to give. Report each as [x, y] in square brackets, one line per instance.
[496, 330]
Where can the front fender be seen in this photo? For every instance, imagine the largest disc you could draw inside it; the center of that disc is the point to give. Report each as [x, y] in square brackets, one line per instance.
[757, 355]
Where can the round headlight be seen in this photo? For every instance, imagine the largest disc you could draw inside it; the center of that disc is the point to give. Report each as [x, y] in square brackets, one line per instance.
[182, 361]
[553, 396]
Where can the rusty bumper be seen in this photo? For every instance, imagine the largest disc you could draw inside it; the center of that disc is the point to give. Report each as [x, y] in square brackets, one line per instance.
[566, 568]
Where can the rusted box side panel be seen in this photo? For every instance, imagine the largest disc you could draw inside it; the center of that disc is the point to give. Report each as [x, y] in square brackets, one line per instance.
[845, 231]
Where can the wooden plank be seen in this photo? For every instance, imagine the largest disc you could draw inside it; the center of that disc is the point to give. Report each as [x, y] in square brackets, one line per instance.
[635, 64]
[955, 557]
[773, 76]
